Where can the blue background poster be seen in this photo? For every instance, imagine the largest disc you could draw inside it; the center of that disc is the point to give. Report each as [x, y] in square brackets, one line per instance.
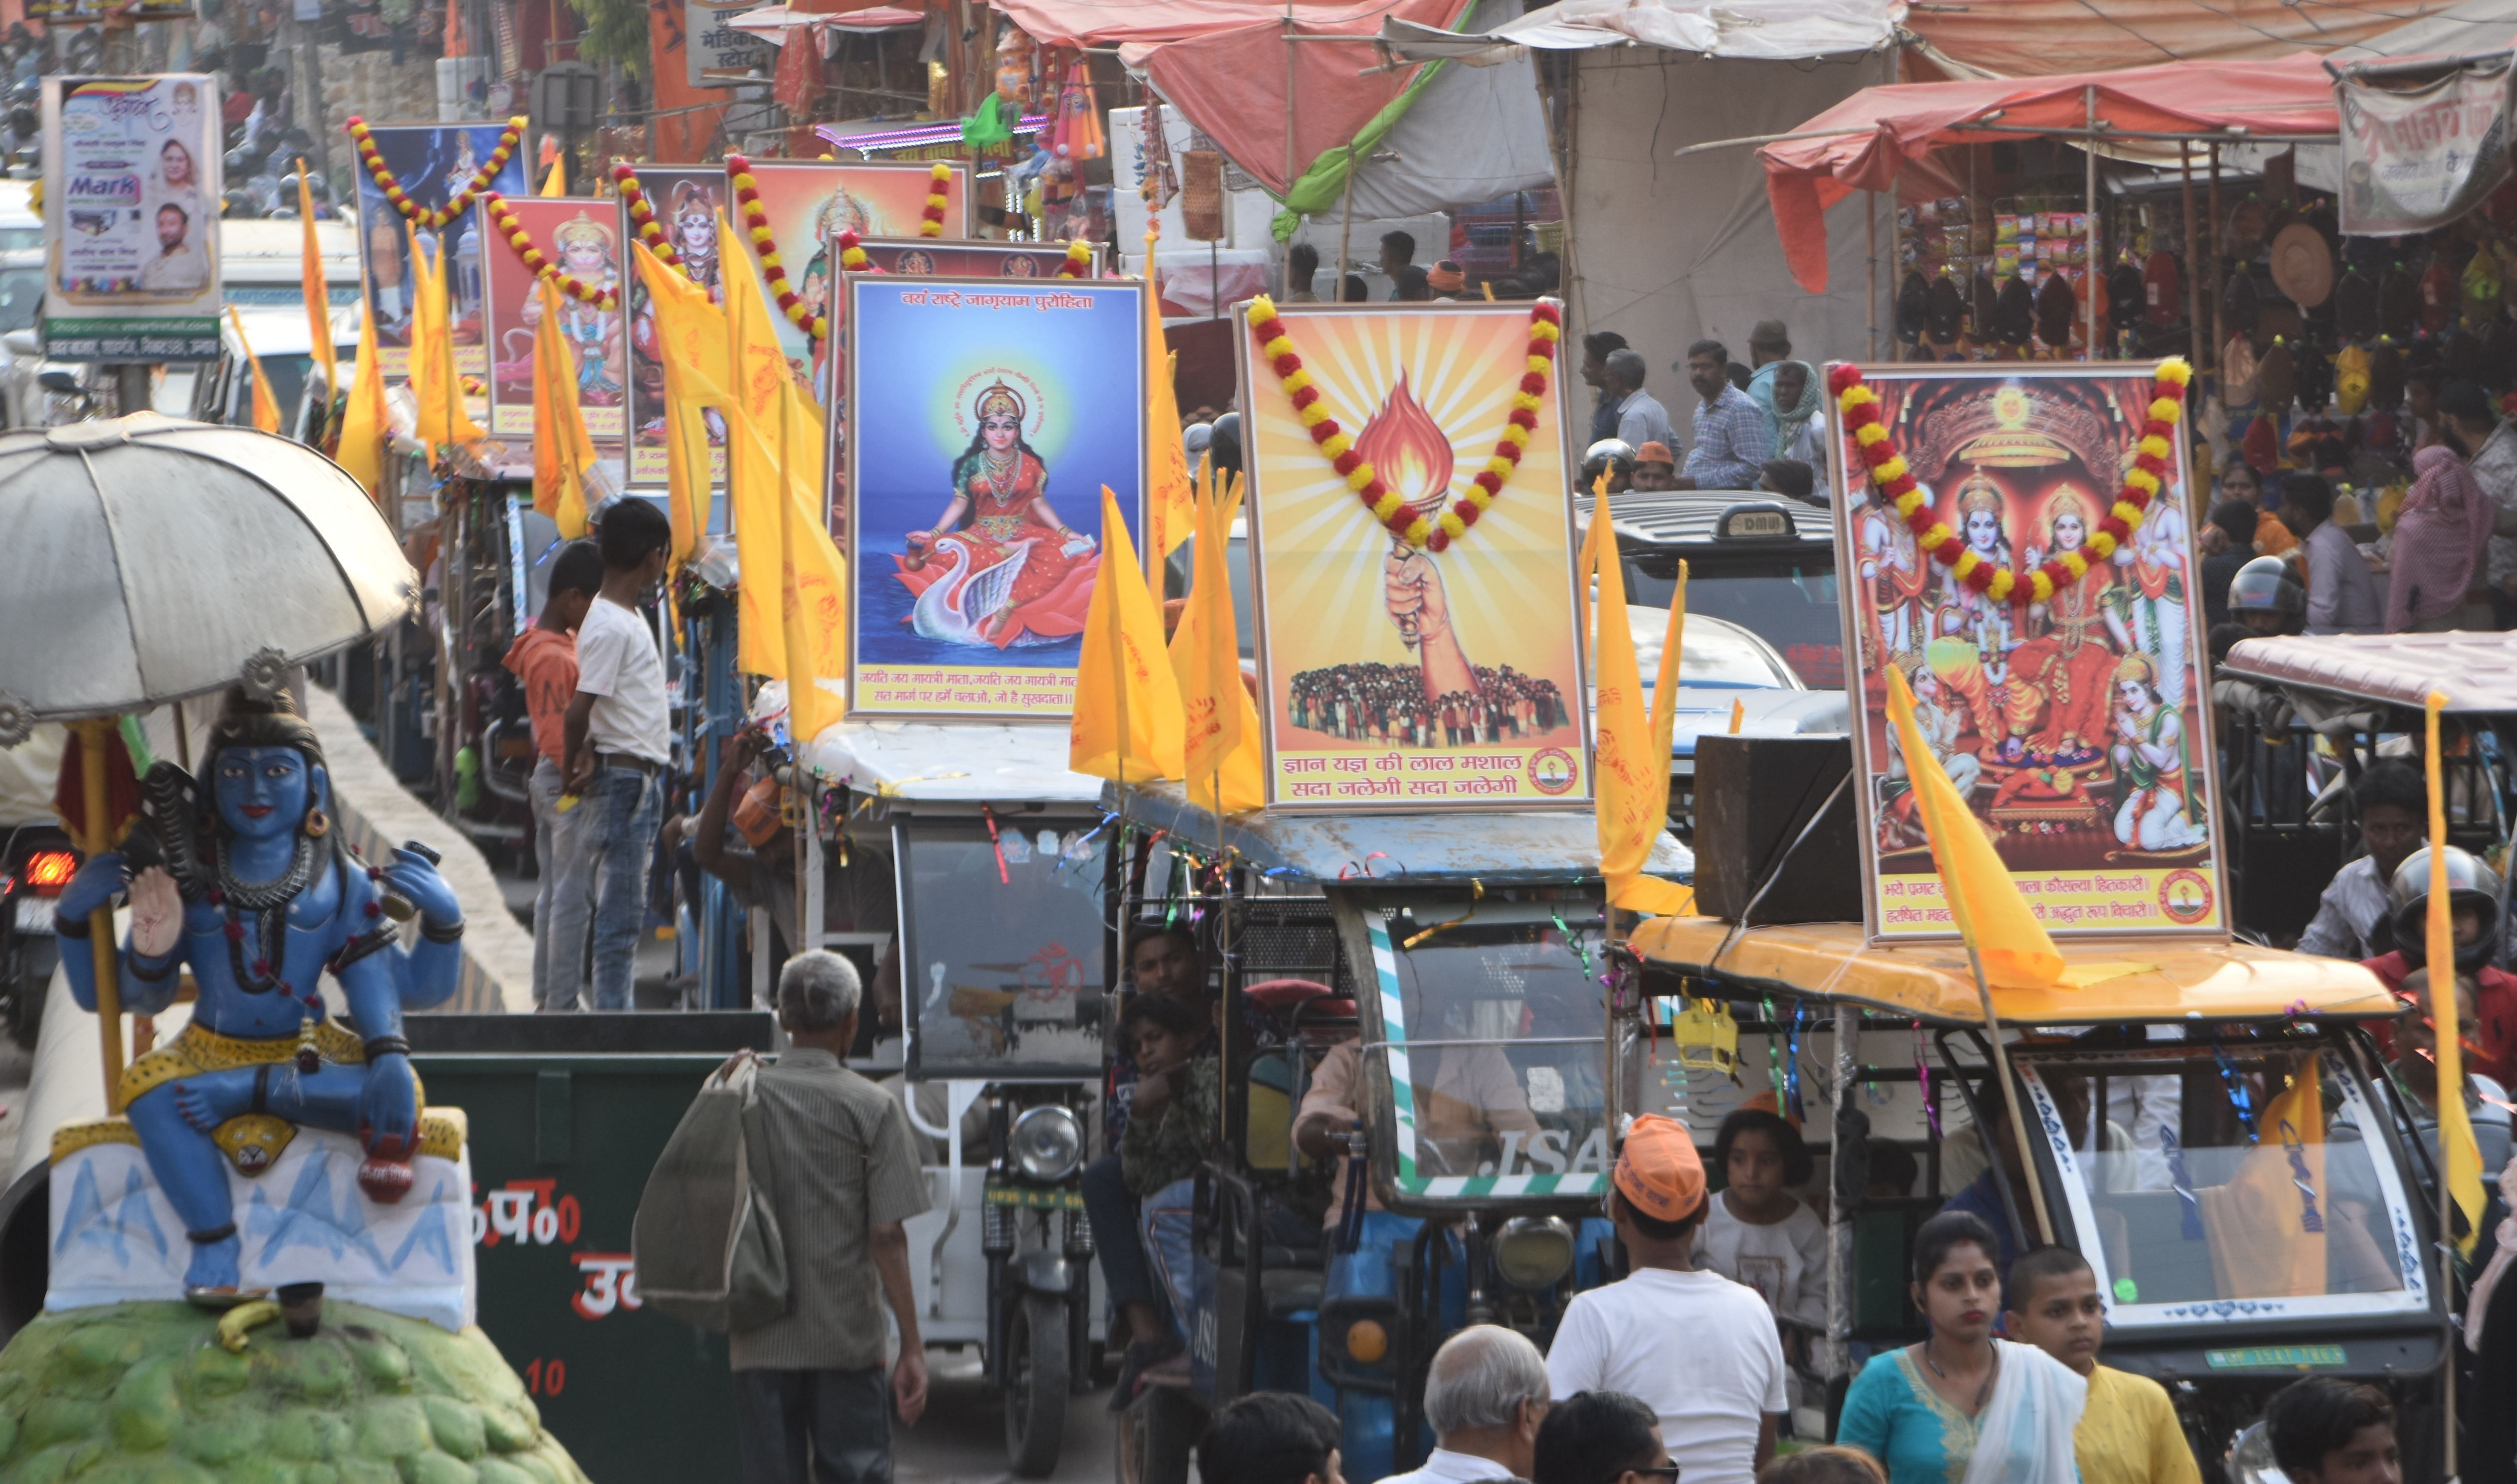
[984, 417]
[431, 163]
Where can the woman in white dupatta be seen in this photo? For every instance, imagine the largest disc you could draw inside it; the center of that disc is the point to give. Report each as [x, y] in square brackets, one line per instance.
[1963, 1407]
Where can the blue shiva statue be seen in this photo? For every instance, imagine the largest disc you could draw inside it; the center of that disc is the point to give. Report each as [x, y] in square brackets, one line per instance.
[253, 890]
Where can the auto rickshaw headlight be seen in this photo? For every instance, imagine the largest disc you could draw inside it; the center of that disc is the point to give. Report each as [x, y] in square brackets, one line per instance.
[1533, 1251]
[1367, 1341]
[1048, 1142]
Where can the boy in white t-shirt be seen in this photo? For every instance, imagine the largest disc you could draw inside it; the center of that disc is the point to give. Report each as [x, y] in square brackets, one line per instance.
[1697, 1348]
[1758, 1233]
[619, 739]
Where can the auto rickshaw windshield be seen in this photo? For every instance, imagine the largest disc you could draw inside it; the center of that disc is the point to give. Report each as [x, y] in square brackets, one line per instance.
[2241, 1184]
[1499, 1062]
[1001, 955]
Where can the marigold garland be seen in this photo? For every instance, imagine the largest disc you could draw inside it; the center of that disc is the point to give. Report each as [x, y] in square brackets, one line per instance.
[642, 216]
[939, 183]
[764, 245]
[1546, 327]
[854, 259]
[432, 218]
[1859, 409]
[503, 217]
[1079, 260]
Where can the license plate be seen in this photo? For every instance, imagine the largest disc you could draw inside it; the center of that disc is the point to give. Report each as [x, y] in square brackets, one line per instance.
[35, 915]
[2283, 1357]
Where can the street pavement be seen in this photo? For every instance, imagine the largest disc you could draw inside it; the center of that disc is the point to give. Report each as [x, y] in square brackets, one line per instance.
[962, 1438]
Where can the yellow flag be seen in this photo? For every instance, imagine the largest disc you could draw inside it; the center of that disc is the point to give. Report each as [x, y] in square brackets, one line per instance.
[690, 334]
[1170, 505]
[319, 300]
[364, 426]
[1991, 915]
[444, 419]
[2456, 1148]
[813, 602]
[2267, 1222]
[753, 478]
[1127, 701]
[1220, 743]
[1631, 762]
[266, 408]
[563, 450]
[556, 183]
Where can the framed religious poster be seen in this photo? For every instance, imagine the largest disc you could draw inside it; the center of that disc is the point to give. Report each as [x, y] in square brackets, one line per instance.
[804, 205]
[984, 417]
[686, 202]
[433, 167]
[1427, 654]
[581, 239]
[2038, 597]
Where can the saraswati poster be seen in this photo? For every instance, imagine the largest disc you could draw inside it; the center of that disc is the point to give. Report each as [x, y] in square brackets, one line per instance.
[2077, 728]
[1394, 675]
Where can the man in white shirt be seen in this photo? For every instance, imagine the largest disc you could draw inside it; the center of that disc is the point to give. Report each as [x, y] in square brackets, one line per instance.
[619, 739]
[1485, 1395]
[1695, 1347]
[2394, 808]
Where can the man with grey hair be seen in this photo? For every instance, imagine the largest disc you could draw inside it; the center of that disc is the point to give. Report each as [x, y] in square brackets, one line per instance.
[1485, 1394]
[1641, 418]
[809, 1393]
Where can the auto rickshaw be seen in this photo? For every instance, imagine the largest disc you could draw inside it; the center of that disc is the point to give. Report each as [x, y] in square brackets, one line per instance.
[996, 858]
[1455, 963]
[2238, 1242]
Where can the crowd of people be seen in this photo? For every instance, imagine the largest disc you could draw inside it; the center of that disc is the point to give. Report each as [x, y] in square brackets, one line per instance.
[1386, 704]
[1756, 424]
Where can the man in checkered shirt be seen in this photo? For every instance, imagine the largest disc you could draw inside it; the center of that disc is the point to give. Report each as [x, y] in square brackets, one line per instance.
[1732, 437]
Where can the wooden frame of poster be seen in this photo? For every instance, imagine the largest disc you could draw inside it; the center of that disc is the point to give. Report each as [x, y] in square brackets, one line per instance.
[2093, 694]
[556, 224]
[647, 460]
[971, 365]
[1544, 772]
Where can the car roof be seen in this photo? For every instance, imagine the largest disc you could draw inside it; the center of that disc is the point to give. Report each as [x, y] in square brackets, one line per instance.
[252, 251]
[1693, 517]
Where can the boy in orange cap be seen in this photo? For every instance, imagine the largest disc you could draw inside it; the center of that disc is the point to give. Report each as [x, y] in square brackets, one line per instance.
[1697, 1348]
[1655, 468]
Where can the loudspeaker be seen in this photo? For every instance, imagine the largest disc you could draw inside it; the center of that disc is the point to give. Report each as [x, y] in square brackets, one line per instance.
[1754, 795]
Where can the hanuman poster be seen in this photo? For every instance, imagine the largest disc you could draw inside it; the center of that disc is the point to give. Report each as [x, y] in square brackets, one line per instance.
[2076, 727]
[1399, 674]
[582, 237]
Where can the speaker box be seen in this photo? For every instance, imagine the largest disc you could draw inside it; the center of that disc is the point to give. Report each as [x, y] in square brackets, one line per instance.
[1754, 795]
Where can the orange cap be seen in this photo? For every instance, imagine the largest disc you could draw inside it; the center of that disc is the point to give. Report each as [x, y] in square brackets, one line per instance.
[1653, 453]
[1659, 1171]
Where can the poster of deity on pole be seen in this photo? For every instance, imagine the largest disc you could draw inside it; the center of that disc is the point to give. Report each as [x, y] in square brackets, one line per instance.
[1443, 670]
[2071, 710]
[984, 418]
[434, 165]
[685, 201]
[581, 239]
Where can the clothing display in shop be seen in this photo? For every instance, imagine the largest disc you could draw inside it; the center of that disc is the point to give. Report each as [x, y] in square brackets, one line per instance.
[2355, 306]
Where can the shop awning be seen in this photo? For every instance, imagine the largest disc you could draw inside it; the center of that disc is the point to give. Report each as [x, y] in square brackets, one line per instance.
[2478, 672]
[2029, 38]
[1132, 23]
[1781, 31]
[1877, 135]
[774, 22]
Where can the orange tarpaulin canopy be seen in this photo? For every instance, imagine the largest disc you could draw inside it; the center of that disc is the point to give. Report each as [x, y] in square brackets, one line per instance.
[2027, 38]
[1135, 23]
[1889, 131]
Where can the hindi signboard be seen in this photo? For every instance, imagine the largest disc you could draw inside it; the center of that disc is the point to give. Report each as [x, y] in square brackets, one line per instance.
[2419, 151]
[131, 218]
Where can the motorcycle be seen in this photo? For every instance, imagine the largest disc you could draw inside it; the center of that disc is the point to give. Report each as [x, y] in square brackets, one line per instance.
[36, 862]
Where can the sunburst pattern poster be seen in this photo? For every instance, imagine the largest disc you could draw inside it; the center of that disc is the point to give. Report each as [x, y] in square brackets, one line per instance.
[1396, 677]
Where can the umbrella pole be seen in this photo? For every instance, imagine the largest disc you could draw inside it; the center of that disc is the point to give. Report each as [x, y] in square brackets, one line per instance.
[98, 838]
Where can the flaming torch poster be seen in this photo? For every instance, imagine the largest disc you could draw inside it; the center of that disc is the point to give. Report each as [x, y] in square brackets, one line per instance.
[1397, 675]
[2076, 725]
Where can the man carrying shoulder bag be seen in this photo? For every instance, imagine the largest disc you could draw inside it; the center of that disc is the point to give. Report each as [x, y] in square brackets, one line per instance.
[815, 1194]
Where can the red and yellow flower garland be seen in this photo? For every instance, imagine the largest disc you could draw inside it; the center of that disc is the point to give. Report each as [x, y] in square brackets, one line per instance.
[764, 243]
[1860, 406]
[1079, 260]
[433, 218]
[939, 183]
[642, 216]
[854, 259]
[1546, 327]
[503, 217]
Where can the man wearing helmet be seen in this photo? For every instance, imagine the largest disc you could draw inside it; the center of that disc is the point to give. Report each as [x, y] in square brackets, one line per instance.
[2265, 598]
[1613, 457]
[2473, 905]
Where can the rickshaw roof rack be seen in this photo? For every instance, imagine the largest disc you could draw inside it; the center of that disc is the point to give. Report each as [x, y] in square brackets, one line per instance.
[2132, 979]
[1497, 847]
[962, 762]
[2477, 671]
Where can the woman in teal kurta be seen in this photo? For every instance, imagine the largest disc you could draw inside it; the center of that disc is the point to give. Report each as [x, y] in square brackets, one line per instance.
[1963, 1408]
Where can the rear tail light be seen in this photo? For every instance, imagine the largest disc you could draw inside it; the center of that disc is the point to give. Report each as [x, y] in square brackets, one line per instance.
[49, 871]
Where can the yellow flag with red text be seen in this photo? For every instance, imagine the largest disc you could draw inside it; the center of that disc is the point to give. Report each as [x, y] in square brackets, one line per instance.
[563, 450]
[1170, 504]
[2457, 1151]
[365, 426]
[1127, 723]
[690, 339]
[318, 299]
[1991, 913]
[1632, 756]
[757, 368]
[1220, 732]
[266, 408]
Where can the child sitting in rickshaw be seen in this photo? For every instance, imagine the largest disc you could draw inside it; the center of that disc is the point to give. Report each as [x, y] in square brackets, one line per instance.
[1757, 1233]
[1170, 1125]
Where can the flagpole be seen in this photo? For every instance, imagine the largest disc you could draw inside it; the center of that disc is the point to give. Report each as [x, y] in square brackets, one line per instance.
[2009, 1096]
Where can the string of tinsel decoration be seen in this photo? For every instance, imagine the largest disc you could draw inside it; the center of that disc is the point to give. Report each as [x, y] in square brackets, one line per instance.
[432, 218]
[939, 182]
[1895, 483]
[642, 216]
[1546, 327]
[503, 217]
[764, 244]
